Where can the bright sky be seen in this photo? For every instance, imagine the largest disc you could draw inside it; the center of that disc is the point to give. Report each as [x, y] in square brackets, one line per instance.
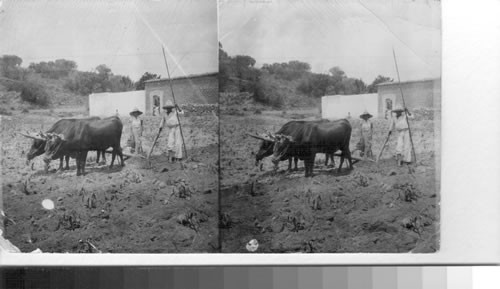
[357, 35]
[125, 35]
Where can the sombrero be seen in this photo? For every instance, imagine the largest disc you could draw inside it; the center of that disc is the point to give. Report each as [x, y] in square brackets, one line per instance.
[365, 113]
[136, 111]
[168, 104]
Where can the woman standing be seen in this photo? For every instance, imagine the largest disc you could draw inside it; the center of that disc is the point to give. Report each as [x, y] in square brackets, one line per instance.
[399, 123]
[367, 133]
[174, 142]
[136, 127]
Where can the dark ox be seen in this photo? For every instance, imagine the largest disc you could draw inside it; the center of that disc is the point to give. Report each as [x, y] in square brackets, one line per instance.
[38, 145]
[267, 145]
[312, 138]
[266, 149]
[84, 136]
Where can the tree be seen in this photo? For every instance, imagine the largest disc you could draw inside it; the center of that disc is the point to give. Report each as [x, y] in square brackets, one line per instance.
[360, 86]
[241, 69]
[141, 83]
[11, 61]
[63, 67]
[103, 70]
[289, 71]
[85, 83]
[120, 83]
[66, 65]
[372, 88]
[10, 67]
[353, 86]
[54, 69]
[320, 82]
[337, 80]
[299, 66]
[337, 73]
[316, 85]
[244, 62]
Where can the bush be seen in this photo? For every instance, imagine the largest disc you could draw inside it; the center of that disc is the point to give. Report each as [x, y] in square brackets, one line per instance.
[10, 67]
[85, 83]
[270, 96]
[3, 111]
[54, 69]
[31, 92]
[269, 93]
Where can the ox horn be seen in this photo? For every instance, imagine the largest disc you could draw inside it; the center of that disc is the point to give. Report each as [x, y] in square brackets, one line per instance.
[35, 137]
[260, 137]
[270, 135]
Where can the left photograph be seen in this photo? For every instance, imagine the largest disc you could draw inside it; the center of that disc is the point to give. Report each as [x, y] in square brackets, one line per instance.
[109, 126]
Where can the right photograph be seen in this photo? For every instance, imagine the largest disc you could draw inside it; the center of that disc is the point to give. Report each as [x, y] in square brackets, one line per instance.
[330, 126]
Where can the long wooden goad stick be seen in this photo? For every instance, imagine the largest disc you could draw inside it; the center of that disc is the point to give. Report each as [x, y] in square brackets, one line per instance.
[173, 97]
[404, 105]
[148, 157]
[383, 147]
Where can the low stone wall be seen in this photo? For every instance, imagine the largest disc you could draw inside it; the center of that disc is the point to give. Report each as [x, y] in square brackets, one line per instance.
[200, 109]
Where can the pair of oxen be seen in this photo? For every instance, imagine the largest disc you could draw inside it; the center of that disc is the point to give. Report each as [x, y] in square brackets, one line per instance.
[303, 140]
[75, 138]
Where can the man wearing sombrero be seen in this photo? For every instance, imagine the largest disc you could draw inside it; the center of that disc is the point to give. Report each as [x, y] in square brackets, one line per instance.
[174, 142]
[367, 133]
[136, 127]
[399, 123]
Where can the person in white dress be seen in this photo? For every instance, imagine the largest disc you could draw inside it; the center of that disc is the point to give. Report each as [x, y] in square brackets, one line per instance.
[399, 123]
[136, 128]
[171, 121]
[367, 134]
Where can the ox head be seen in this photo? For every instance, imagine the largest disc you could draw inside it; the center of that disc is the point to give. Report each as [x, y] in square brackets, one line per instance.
[265, 148]
[281, 148]
[48, 143]
[53, 146]
[37, 146]
[277, 145]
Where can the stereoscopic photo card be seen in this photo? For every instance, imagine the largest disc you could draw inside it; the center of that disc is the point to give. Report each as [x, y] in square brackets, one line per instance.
[109, 126]
[248, 132]
[330, 126]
